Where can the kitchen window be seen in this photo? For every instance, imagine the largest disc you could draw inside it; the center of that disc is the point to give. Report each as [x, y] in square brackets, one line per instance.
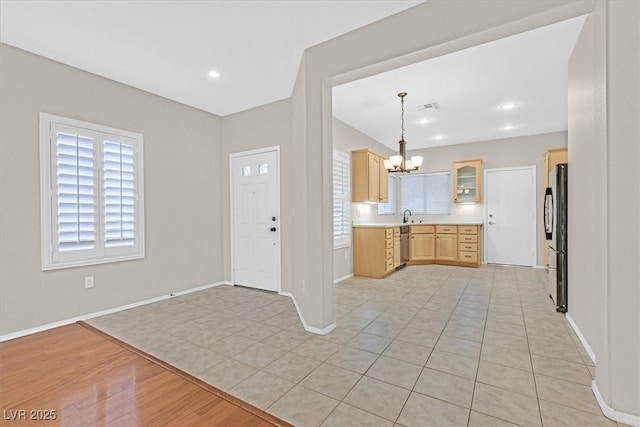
[341, 200]
[91, 191]
[426, 194]
[389, 208]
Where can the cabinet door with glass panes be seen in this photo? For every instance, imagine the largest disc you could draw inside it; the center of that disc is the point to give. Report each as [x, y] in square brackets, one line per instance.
[467, 181]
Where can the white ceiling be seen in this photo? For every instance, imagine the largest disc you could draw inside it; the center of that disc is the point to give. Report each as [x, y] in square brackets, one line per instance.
[167, 47]
[529, 69]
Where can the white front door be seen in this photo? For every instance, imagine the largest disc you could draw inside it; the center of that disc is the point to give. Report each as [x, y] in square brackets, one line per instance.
[510, 231]
[255, 219]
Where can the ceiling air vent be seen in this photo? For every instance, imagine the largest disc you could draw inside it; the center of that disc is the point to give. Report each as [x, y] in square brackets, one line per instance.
[431, 106]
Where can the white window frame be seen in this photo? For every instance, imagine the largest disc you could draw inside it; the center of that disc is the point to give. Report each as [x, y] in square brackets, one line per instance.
[344, 240]
[52, 258]
[426, 195]
[391, 204]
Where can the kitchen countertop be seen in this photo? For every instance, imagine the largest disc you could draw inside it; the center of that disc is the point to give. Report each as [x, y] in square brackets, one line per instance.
[461, 221]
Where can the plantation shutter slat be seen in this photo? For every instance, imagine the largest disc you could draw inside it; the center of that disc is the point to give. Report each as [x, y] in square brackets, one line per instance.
[341, 196]
[75, 191]
[119, 193]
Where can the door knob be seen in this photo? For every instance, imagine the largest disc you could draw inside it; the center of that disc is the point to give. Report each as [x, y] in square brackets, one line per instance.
[272, 229]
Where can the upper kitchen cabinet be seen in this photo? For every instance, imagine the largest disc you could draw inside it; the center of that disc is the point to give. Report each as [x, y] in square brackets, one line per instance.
[467, 181]
[551, 158]
[370, 179]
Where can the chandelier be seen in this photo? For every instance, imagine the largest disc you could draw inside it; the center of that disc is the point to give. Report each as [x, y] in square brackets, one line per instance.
[400, 163]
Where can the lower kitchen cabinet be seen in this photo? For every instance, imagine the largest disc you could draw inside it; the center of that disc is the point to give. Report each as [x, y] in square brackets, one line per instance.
[422, 246]
[374, 251]
[396, 247]
[451, 244]
[447, 242]
[469, 244]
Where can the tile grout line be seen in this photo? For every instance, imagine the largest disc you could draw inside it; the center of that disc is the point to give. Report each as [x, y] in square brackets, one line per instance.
[475, 381]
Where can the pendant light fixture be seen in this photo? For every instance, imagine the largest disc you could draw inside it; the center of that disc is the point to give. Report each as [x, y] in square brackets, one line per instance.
[400, 163]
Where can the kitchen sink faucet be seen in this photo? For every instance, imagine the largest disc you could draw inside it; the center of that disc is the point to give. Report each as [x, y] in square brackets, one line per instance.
[405, 219]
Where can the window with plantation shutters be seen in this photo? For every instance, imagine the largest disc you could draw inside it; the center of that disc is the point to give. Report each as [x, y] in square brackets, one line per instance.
[91, 193]
[341, 200]
[426, 194]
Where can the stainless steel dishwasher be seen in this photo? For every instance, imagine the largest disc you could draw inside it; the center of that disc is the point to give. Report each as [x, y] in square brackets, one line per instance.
[404, 245]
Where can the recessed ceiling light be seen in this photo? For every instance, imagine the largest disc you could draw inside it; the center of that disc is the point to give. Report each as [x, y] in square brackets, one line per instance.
[438, 137]
[508, 127]
[423, 121]
[213, 74]
[508, 106]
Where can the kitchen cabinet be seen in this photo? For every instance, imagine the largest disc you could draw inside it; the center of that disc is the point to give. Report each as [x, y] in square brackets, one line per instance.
[369, 178]
[374, 251]
[422, 246]
[396, 247]
[446, 242]
[467, 181]
[551, 158]
[469, 245]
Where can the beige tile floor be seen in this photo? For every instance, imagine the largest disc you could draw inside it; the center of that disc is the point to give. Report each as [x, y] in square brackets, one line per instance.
[426, 346]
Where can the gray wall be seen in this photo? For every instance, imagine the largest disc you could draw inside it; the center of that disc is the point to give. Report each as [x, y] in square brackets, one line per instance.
[604, 215]
[502, 153]
[587, 159]
[182, 193]
[623, 208]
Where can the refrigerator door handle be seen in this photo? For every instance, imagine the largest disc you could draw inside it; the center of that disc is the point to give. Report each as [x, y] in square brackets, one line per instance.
[548, 213]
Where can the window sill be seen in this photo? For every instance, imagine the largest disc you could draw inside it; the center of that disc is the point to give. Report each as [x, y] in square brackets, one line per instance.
[90, 262]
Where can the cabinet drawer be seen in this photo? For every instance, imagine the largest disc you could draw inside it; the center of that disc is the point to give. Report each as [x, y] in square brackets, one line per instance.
[470, 247]
[468, 256]
[388, 243]
[446, 229]
[389, 265]
[423, 229]
[396, 232]
[388, 232]
[468, 229]
[389, 253]
[468, 238]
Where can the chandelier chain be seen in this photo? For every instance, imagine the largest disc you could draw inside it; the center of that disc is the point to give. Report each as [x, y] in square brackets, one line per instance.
[402, 116]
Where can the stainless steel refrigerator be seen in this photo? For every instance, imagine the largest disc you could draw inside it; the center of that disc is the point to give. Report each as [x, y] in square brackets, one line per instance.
[555, 225]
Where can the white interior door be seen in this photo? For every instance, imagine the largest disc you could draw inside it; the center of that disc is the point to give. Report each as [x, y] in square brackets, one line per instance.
[255, 219]
[510, 214]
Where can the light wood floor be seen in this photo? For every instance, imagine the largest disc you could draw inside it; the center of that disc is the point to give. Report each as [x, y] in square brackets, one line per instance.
[90, 379]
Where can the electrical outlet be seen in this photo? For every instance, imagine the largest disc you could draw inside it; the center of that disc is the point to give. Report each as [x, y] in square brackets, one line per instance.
[88, 282]
[346, 255]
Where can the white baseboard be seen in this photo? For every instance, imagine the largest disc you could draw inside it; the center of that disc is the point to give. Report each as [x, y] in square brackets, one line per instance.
[609, 412]
[583, 340]
[340, 279]
[65, 322]
[312, 329]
